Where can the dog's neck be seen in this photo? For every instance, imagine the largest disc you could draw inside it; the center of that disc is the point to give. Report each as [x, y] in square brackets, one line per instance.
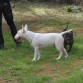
[29, 35]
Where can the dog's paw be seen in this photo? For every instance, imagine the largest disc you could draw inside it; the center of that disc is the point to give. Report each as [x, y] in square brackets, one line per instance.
[57, 58]
[33, 59]
[38, 58]
[66, 57]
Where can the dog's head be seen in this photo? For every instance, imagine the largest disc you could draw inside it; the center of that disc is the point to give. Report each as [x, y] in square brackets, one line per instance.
[68, 37]
[21, 32]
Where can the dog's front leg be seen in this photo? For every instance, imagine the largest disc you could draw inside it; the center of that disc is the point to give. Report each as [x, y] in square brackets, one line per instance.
[39, 54]
[35, 53]
[70, 47]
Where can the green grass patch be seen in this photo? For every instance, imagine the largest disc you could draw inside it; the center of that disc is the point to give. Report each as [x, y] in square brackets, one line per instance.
[16, 62]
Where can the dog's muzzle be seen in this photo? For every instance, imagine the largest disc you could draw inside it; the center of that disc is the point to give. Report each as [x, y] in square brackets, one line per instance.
[19, 39]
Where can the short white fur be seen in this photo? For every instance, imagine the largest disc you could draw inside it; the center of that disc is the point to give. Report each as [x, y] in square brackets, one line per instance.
[40, 40]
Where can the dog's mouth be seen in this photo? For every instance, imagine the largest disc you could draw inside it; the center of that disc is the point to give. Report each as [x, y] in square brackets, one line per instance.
[19, 39]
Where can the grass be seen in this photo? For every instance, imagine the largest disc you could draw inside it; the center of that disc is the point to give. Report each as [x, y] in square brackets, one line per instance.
[16, 64]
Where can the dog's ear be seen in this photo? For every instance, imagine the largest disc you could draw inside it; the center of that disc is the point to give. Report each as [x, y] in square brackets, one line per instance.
[26, 27]
[23, 30]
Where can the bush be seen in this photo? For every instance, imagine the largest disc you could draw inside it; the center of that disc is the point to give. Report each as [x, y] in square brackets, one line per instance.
[69, 9]
[74, 9]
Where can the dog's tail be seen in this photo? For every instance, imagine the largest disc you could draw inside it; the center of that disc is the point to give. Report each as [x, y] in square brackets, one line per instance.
[66, 27]
[66, 32]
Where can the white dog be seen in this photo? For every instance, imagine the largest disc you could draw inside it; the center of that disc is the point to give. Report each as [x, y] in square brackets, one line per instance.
[39, 40]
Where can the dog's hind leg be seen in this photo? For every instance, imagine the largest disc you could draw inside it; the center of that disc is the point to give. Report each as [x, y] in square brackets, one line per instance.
[65, 52]
[60, 55]
[35, 53]
[59, 45]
